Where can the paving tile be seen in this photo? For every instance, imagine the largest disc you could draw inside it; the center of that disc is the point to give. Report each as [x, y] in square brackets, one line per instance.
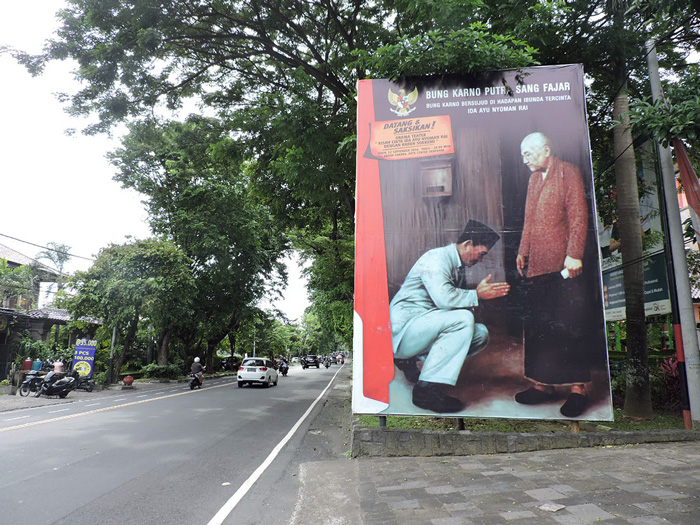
[545, 494]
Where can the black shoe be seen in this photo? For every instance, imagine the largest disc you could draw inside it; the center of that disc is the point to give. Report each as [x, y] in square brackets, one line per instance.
[409, 368]
[533, 396]
[574, 406]
[429, 396]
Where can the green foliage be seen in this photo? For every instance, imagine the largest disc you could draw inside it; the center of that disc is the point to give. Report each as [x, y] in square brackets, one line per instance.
[147, 278]
[280, 77]
[155, 371]
[664, 381]
[461, 51]
[21, 283]
[675, 117]
[198, 197]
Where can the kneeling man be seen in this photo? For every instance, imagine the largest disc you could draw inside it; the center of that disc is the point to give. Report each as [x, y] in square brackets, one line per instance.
[431, 318]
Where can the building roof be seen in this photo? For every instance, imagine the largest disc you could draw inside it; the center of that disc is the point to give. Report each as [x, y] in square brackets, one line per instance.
[14, 258]
[57, 315]
[51, 314]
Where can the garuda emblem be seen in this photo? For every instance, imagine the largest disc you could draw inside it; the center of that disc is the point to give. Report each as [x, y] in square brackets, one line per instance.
[402, 101]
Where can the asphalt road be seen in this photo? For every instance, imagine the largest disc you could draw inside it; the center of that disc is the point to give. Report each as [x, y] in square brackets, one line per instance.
[165, 454]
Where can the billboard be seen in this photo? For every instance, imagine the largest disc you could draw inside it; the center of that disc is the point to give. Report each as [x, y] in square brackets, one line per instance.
[656, 288]
[84, 356]
[477, 278]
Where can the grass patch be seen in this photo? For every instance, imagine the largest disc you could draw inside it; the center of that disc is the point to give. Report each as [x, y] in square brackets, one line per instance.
[660, 420]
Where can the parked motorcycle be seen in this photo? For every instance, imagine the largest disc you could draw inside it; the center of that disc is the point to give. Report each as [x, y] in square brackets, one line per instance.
[31, 383]
[55, 384]
[194, 381]
[86, 383]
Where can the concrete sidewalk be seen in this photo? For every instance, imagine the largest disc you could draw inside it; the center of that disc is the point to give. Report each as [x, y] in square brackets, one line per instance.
[623, 484]
[640, 484]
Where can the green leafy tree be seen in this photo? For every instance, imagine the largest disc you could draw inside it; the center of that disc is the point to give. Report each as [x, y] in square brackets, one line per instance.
[281, 75]
[148, 279]
[20, 283]
[198, 196]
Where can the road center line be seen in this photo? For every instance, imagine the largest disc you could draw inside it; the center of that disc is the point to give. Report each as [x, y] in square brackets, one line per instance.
[97, 410]
[228, 507]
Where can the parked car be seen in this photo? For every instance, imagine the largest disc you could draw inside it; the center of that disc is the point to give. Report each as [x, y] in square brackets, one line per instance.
[257, 370]
[310, 360]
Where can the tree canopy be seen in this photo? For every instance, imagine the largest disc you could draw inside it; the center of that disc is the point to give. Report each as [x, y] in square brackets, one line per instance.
[278, 79]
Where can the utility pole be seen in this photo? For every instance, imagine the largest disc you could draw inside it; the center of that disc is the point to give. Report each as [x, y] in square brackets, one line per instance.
[111, 356]
[685, 330]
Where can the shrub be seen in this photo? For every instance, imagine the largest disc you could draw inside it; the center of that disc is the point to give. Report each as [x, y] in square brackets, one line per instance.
[664, 384]
[100, 378]
[156, 371]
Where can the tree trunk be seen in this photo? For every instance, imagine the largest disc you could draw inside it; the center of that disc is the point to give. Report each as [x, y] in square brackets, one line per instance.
[637, 396]
[128, 341]
[211, 346]
[232, 342]
[163, 343]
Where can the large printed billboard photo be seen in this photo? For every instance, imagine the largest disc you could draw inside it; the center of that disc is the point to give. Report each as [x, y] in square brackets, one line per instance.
[477, 276]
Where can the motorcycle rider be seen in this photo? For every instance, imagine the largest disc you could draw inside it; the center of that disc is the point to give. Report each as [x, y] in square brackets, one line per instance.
[283, 366]
[198, 370]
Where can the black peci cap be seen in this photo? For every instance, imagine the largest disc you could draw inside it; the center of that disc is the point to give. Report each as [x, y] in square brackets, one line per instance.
[479, 234]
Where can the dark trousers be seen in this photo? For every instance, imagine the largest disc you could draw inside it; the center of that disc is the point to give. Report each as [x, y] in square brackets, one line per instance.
[560, 332]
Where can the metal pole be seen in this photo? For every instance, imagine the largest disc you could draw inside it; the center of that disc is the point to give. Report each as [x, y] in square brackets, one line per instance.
[111, 356]
[684, 322]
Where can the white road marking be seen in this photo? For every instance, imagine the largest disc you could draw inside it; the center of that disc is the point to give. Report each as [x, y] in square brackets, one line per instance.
[97, 410]
[15, 418]
[61, 410]
[93, 404]
[228, 507]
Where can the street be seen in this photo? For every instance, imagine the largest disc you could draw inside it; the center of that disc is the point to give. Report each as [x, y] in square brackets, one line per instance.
[162, 454]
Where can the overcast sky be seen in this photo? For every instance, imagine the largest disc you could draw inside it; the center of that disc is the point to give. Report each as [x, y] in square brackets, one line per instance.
[55, 187]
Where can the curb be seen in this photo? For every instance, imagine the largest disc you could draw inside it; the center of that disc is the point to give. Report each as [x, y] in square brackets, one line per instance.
[390, 442]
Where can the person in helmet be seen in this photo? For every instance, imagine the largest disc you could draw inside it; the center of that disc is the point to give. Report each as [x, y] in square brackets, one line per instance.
[198, 370]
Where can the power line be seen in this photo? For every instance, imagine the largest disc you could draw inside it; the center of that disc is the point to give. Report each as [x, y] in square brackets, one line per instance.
[47, 248]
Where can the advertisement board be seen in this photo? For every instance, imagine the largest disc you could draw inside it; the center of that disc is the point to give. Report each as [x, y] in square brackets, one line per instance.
[656, 289]
[84, 356]
[477, 278]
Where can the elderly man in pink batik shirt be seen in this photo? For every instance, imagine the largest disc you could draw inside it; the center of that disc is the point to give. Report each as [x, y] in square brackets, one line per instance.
[551, 257]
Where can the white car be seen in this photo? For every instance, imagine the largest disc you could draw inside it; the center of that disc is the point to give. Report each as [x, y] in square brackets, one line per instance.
[257, 370]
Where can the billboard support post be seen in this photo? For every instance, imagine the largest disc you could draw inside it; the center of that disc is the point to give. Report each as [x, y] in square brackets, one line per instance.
[683, 318]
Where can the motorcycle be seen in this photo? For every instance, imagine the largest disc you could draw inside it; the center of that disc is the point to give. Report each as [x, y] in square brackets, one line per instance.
[86, 383]
[55, 384]
[194, 381]
[31, 383]
[284, 368]
[327, 363]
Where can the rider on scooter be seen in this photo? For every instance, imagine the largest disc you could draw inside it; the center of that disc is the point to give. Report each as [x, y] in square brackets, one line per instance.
[198, 370]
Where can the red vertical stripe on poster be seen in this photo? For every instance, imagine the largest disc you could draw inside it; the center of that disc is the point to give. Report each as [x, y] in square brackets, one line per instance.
[371, 290]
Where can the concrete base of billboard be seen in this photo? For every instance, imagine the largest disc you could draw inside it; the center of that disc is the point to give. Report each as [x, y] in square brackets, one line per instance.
[390, 442]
